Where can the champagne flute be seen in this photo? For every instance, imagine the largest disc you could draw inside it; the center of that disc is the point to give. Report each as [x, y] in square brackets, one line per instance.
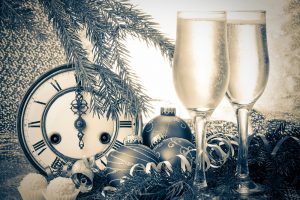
[201, 73]
[249, 69]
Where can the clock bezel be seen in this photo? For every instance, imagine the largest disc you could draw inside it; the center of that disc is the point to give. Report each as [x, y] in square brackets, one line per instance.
[21, 111]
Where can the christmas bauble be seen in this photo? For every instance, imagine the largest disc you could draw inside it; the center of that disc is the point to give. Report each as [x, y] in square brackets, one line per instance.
[121, 161]
[171, 147]
[166, 125]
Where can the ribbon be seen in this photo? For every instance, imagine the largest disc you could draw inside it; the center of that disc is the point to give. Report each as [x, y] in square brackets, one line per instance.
[132, 169]
[151, 167]
[219, 149]
[108, 189]
[267, 145]
[278, 145]
[263, 138]
[164, 166]
[185, 164]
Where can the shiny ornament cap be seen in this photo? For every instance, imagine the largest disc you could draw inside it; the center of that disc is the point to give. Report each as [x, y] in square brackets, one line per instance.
[133, 139]
[168, 111]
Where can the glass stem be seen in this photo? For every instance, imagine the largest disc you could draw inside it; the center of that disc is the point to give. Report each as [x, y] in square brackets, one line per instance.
[242, 165]
[200, 126]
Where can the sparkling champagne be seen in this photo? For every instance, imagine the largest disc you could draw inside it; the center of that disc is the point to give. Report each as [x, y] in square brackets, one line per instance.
[201, 75]
[249, 69]
[200, 70]
[249, 62]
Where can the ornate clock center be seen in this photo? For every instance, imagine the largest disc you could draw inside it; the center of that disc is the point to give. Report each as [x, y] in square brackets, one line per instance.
[80, 124]
[79, 106]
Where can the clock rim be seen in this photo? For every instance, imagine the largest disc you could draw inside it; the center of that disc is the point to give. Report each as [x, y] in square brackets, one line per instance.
[20, 114]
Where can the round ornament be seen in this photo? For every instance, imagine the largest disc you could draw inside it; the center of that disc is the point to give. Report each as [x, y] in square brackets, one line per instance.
[166, 125]
[171, 147]
[121, 161]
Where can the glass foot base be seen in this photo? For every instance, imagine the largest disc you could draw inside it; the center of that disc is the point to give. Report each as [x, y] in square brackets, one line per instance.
[204, 194]
[248, 187]
[202, 191]
[242, 190]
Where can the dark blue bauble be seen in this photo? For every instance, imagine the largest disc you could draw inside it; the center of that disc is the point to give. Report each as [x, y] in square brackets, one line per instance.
[166, 125]
[169, 148]
[120, 161]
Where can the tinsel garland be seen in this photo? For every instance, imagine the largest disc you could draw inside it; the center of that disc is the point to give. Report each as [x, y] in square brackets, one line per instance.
[274, 162]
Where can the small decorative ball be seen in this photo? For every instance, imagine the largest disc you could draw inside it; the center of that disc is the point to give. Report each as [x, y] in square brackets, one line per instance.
[33, 181]
[171, 147]
[82, 175]
[166, 125]
[61, 188]
[120, 161]
[32, 186]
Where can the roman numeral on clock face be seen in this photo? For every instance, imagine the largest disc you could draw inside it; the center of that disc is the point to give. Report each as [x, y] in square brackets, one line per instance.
[125, 124]
[39, 102]
[56, 85]
[57, 164]
[102, 159]
[35, 124]
[39, 147]
[117, 144]
[103, 162]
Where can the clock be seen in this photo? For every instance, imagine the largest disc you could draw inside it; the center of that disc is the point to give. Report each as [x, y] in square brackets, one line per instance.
[53, 133]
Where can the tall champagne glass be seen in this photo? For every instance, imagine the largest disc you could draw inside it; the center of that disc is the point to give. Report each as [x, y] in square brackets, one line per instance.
[249, 69]
[201, 73]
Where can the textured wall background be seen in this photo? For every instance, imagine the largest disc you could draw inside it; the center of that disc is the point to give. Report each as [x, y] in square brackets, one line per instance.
[24, 56]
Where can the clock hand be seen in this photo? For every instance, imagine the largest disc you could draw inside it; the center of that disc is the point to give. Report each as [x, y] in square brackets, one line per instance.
[79, 106]
[80, 126]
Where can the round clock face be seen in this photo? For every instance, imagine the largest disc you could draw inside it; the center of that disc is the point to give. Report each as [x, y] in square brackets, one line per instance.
[48, 124]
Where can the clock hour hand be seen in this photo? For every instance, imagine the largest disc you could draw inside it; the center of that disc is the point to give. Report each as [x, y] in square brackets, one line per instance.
[80, 126]
[79, 107]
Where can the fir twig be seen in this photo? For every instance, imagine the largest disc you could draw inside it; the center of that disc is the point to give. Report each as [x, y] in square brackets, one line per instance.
[16, 15]
[141, 26]
[110, 53]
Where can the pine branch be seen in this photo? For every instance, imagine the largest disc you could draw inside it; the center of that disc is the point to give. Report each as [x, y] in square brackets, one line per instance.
[107, 22]
[140, 25]
[16, 15]
[111, 101]
[108, 54]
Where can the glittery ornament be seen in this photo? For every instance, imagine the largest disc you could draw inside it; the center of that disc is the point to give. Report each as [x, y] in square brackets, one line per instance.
[61, 188]
[121, 161]
[32, 187]
[166, 125]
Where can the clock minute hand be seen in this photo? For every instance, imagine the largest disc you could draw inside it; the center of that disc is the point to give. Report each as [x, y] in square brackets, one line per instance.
[79, 107]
